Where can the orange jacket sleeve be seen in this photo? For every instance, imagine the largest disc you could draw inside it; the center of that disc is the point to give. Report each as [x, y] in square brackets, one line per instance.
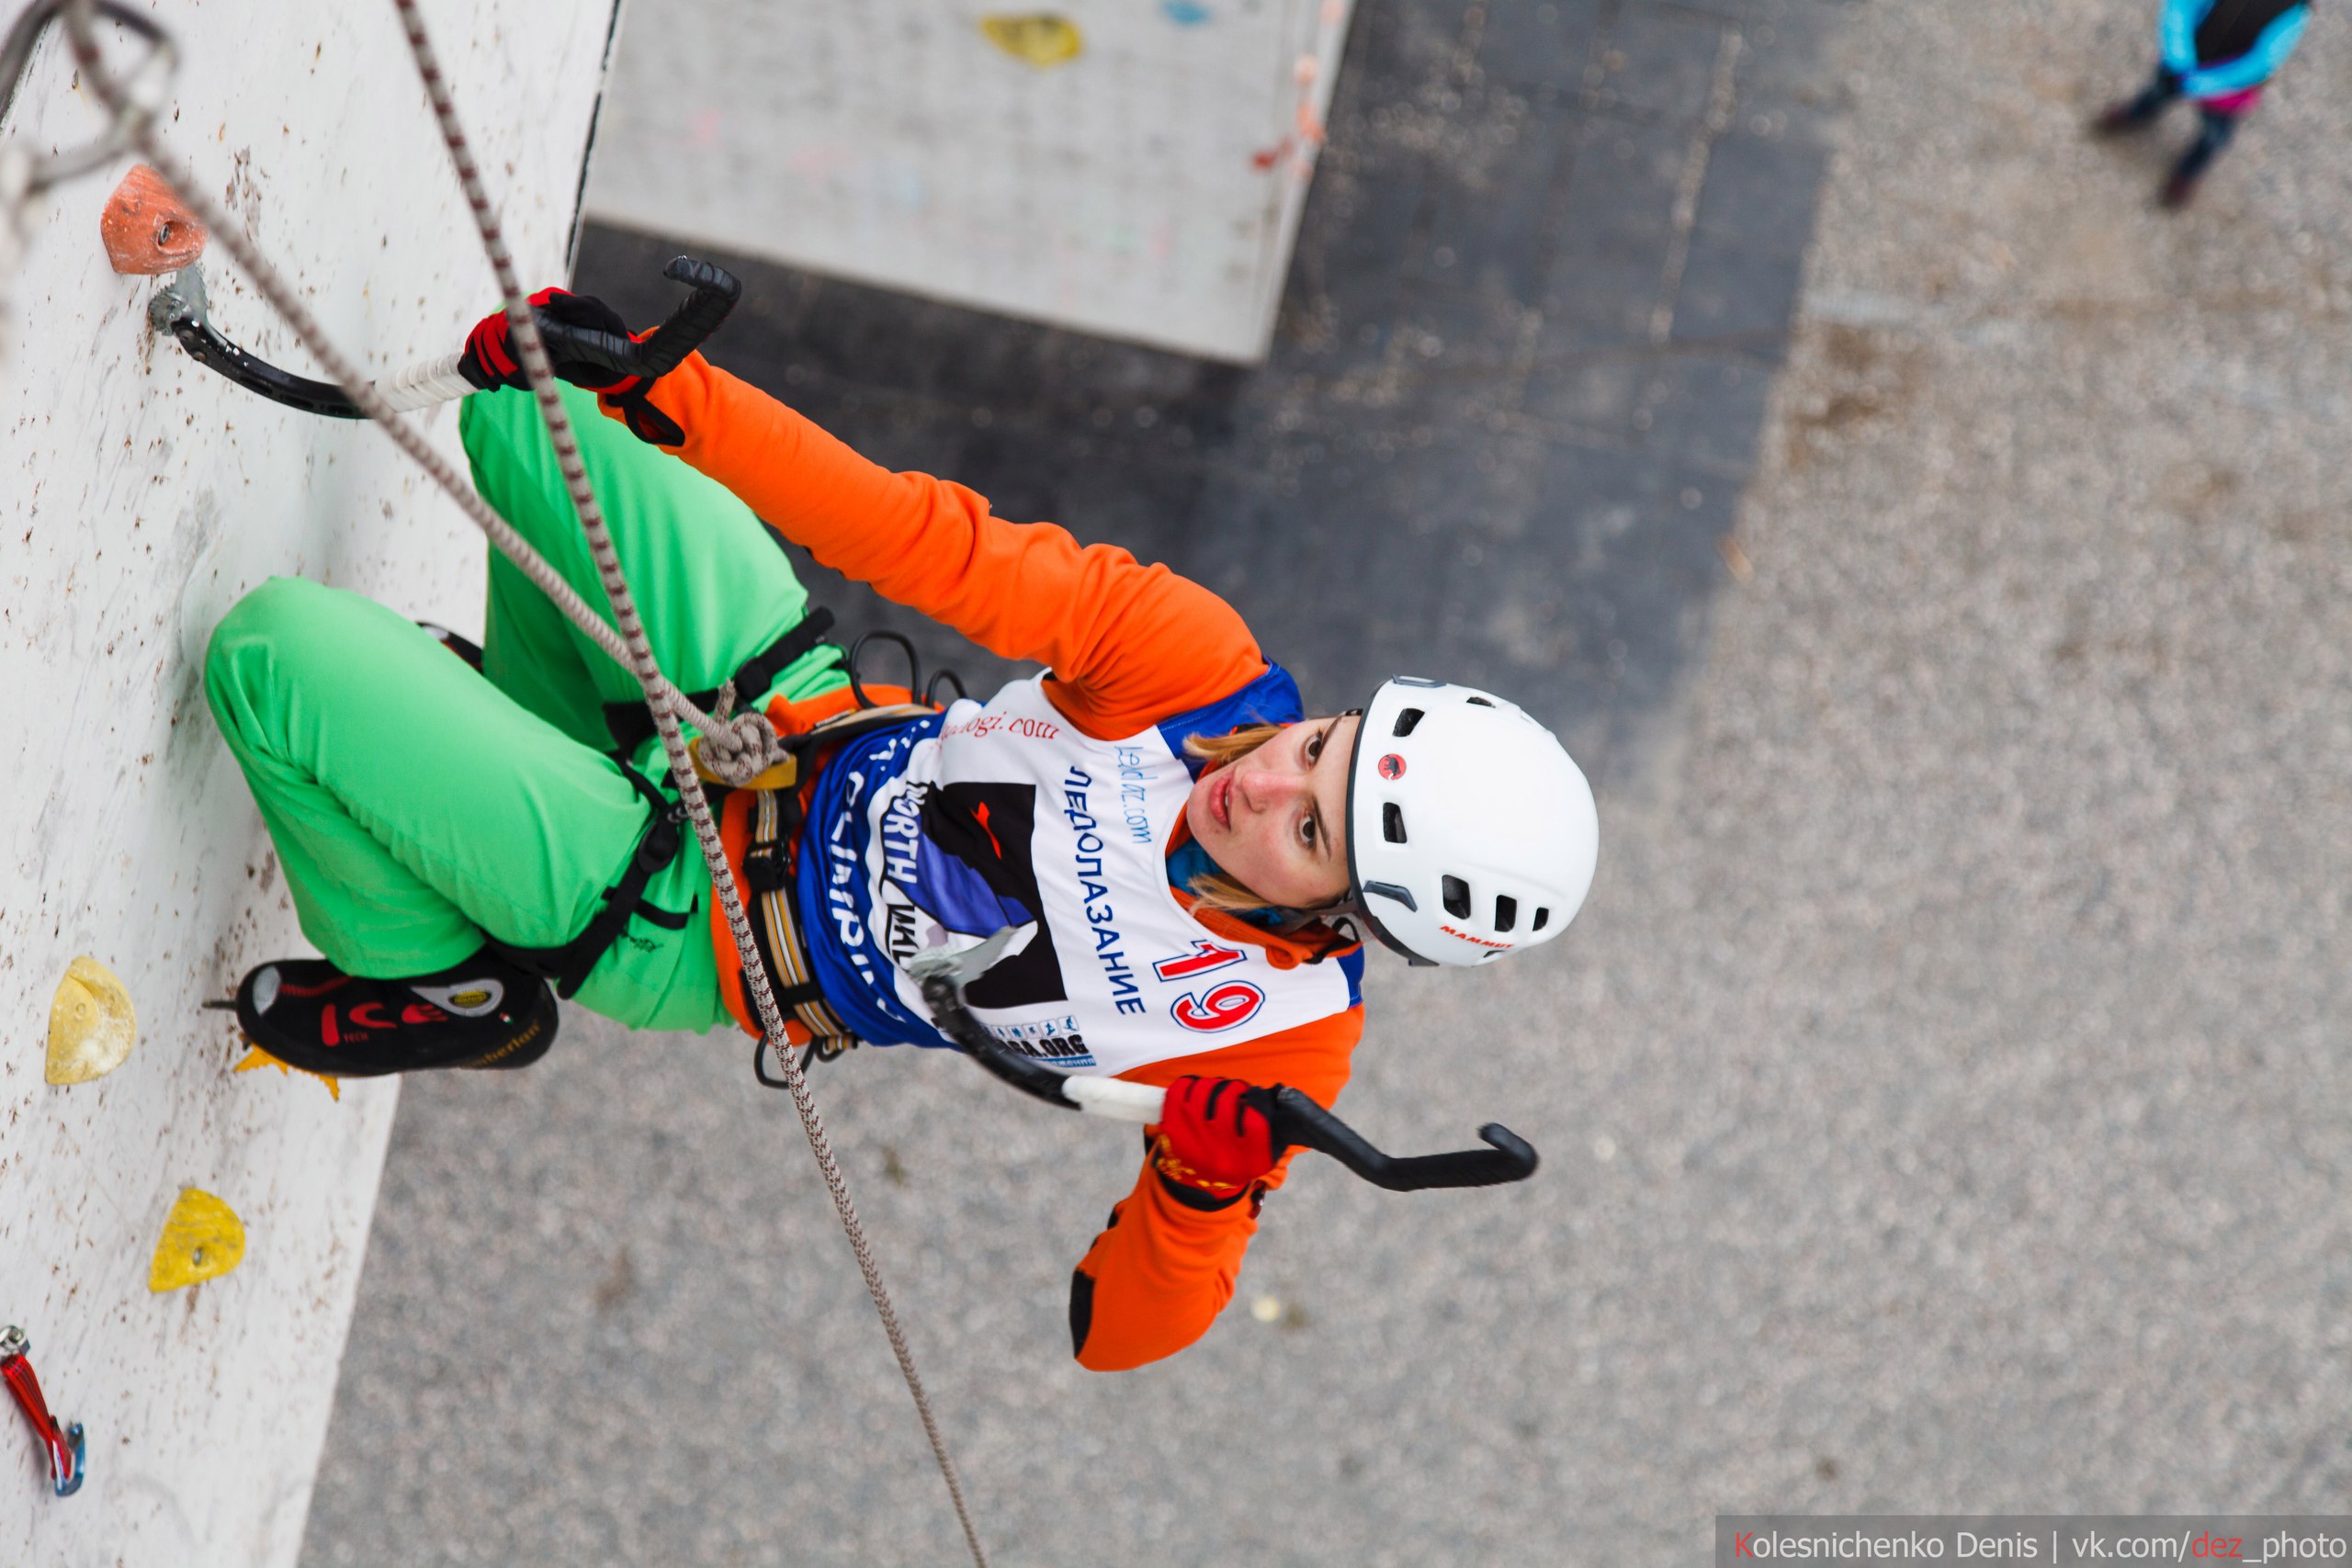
[1161, 1271]
[1129, 644]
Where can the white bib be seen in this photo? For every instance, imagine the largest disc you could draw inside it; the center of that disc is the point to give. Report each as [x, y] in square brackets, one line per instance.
[1009, 815]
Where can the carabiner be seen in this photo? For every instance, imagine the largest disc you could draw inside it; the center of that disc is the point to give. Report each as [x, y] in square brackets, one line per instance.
[914, 665]
[68, 1464]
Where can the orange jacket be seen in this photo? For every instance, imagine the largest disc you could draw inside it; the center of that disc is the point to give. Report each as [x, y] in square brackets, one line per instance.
[1128, 645]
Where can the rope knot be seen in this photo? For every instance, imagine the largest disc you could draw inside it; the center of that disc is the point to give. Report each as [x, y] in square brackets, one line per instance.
[738, 748]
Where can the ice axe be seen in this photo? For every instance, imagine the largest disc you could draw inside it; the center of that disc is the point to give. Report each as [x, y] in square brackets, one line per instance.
[1298, 1121]
[181, 309]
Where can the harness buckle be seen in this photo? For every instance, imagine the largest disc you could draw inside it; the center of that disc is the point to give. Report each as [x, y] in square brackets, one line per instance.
[766, 869]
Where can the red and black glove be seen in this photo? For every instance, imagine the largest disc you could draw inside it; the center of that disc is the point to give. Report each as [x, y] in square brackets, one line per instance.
[490, 359]
[1216, 1137]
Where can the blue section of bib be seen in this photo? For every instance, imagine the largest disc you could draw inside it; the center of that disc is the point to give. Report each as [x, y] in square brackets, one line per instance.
[1351, 966]
[829, 886]
[832, 887]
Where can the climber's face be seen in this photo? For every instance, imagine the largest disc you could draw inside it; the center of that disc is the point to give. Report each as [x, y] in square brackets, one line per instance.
[1275, 818]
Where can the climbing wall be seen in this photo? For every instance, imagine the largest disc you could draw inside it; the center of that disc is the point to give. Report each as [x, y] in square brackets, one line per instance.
[144, 494]
[1130, 167]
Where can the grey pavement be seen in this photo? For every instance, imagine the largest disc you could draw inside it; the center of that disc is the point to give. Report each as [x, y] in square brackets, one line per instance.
[1941, 1094]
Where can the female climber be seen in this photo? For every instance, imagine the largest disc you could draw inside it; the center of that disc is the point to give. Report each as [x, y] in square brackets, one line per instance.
[1186, 857]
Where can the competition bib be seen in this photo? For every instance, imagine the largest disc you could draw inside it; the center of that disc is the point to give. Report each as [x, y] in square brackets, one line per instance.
[1006, 816]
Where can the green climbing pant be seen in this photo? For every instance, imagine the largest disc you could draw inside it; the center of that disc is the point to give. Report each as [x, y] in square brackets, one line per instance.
[417, 806]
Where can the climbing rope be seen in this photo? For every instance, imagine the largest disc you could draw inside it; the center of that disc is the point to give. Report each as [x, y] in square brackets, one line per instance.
[627, 644]
[736, 748]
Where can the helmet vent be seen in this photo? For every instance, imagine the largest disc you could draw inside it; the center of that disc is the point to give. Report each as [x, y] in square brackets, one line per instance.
[1480, 702]
[1392, 823]
[1405, 723]
[1542, 915]
[1457, 897]
[1506, 911]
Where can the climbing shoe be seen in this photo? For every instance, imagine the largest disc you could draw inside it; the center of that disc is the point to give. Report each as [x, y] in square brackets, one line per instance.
[484, 1013]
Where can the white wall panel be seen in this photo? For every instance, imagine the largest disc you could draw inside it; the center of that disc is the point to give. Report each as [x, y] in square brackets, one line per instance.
[143, 495]
[1146, 188]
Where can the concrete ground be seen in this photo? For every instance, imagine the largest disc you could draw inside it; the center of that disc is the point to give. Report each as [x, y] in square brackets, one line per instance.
[1938, 1092]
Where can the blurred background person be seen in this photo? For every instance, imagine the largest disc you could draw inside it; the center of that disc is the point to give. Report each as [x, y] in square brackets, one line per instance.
[2219, 54]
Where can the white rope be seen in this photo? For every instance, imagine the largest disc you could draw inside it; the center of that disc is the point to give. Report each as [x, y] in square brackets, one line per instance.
[669, 705]
[423, 385]
[740, 748]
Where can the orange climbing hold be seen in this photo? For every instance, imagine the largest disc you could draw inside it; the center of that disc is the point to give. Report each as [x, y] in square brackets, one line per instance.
[146, 229]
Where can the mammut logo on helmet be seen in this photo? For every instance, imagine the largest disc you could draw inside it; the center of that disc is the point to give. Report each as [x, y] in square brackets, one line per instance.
[1392, 766]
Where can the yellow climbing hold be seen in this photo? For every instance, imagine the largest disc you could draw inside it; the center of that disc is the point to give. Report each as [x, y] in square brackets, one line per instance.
[92, 1026]
[1040, 38]
[203, 1239]
[257, 1058]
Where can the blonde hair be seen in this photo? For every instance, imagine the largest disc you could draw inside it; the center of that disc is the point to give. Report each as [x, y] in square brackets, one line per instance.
[1214, 889]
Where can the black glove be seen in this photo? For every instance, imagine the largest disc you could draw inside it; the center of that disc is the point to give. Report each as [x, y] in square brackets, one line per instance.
[568, 322]
[490, 359]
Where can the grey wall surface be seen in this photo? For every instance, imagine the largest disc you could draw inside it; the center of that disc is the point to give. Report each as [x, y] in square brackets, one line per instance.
[144, 494]
[1140, 177]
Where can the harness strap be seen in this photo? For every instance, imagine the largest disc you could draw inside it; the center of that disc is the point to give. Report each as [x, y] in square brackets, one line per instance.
[632, 723]
[767, 870]
[833, 733]
[568, 963]
[767, 867]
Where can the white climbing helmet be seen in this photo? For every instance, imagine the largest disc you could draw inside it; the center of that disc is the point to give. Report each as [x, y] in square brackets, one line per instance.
[1471, 830]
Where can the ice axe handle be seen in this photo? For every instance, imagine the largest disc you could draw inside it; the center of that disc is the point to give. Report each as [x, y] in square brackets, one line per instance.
[716, 290]
[180, 308]
[1508, 1158]
[944, 997]
[713, 293]
[1298, 1119]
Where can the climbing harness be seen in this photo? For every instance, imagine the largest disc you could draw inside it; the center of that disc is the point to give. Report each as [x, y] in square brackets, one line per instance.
[768, 872]
[631, 725]
[768, 867]
[567, 963]
[742, 747]
[67, 1465]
